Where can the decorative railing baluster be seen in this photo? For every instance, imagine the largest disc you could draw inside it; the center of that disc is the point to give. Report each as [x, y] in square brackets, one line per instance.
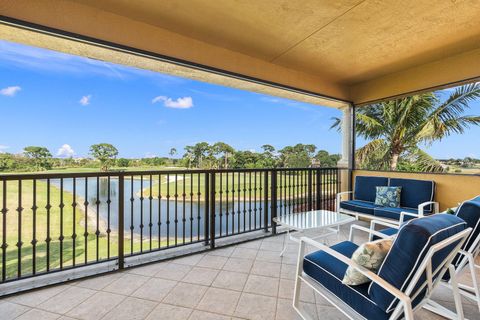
[4, 230]
[61, 236]
[97, 221]
[34, 228]
[19, 242]
[85, 234]
[150, 205]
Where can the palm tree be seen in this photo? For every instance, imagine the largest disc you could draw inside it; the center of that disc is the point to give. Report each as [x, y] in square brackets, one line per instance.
[396, 129]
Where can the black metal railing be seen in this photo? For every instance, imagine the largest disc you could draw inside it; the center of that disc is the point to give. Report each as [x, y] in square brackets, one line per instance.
[53, 222]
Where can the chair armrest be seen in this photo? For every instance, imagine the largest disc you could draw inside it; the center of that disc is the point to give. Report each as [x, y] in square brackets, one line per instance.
[393, 224]
[339, 198]
[421, 207]
[367, 230]
[403, 214]
[369, 274]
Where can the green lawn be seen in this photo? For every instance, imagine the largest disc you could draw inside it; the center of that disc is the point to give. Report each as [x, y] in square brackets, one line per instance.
[239, 186]
[81, 169]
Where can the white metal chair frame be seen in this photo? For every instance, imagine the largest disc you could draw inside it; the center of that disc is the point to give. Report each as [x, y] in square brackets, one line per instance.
[357, 215]
[404, 307]
[467, 260]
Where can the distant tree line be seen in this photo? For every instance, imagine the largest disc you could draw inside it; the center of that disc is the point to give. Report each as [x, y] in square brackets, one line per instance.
[202, 155]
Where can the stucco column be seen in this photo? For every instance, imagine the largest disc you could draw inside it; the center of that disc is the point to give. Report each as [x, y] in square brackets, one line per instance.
[347, 138]
[347, 146]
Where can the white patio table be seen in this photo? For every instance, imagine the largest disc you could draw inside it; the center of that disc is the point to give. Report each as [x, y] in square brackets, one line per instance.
[320, 220]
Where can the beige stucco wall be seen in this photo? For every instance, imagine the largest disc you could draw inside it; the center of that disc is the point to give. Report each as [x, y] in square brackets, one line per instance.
[451, 188]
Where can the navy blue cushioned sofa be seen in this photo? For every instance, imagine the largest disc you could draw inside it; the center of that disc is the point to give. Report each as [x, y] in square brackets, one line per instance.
[417, 199]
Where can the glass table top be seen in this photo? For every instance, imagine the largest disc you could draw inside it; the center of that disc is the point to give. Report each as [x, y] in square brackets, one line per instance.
[313, 219]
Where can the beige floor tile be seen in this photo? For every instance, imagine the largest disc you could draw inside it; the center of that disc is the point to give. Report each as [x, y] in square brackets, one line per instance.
[189, 260]
[202, 315]
[96, 306]
[131, 309]
[36, 297]
[173, 271]
[244, 253]
[37, 314]
[272, 246]
[99, 282]
[251, 244]
[149, 270]
[203, 276]
[285, 310]
[10, 311]
[214, 262]
[126, 285]
[256, 307]
[230, 280]
[331, 313]
[262, 285]
[185, 295]
[223, 252]
[269, 256]
[287, 287]
[154, 289]
[66, 301]
[264, 268]
[167, 311]
[288, 271]
[238, 265]
[219, 301]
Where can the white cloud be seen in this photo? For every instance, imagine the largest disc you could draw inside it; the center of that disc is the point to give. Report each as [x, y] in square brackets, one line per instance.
[65, 151]
[85, 100]
[10, 91]
[3, 148]
[180, 103]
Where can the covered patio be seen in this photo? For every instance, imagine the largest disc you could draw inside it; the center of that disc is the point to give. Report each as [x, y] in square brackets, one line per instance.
[339, 54]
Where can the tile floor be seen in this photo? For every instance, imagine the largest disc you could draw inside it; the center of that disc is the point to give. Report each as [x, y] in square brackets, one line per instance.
[244, 281]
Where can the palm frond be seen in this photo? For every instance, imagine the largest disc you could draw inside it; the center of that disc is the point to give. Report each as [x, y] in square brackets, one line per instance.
[423, 161]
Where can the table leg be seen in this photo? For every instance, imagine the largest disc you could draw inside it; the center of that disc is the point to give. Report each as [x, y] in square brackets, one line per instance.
[285, 243]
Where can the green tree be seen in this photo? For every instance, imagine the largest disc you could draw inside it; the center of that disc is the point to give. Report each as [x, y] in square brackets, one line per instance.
[123, 162]
[326, 160]
[197, 153]
[297, 156]
[396, 129]
[40, 156]
[224, 152]
[105, 153]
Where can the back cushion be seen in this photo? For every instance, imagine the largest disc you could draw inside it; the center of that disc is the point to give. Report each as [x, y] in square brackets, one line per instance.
[415, 192]
[470, 212]
[365, 187]
[414, 240]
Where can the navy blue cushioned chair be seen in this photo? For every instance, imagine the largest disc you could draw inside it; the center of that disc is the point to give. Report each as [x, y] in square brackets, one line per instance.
[416, 199]
[469, 211]
[420, 255]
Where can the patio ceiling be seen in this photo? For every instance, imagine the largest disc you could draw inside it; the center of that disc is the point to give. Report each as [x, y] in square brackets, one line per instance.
[355, 50]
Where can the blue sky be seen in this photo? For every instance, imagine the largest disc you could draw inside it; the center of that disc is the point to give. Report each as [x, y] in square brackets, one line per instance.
[68, 103]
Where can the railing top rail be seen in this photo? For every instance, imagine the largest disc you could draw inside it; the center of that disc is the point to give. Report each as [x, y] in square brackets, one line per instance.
[59, 175]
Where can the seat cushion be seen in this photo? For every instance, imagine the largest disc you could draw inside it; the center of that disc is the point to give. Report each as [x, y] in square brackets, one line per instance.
[412, 243]
[414, 192]
[393, 213]
[358, 206]
[329, 271]
[366, 187]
